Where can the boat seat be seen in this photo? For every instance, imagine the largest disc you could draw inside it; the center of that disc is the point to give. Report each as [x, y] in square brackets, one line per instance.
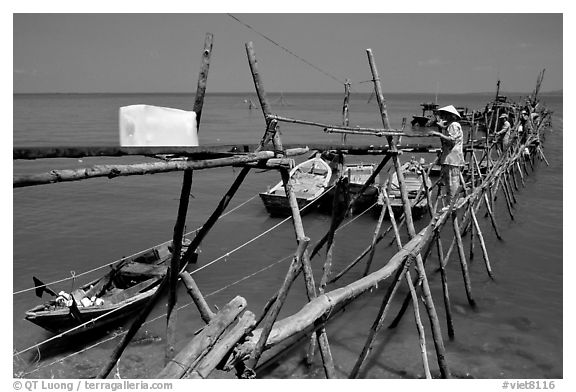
[142, 269]
[122, 295]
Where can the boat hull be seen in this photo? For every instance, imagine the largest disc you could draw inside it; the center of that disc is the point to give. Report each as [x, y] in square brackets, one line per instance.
[61, 320]
[278, 205]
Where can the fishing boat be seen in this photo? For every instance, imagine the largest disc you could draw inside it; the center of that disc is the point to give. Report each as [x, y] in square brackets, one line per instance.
[106, 301]
[357, 175]
[414, 186]
[310, 179]
[427, 118]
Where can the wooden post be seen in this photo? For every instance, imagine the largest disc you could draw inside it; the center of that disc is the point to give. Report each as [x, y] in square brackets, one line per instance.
[414, 297]
[171, 315]
[296, 218]
[339, 207]
[377, 233]
[492, 217]
[205, 312]
[482, 244]
[345, 119]
[462, 258]
[174, 269]
[308, 276]
[437, 335]
[443, 275]
[507, 197]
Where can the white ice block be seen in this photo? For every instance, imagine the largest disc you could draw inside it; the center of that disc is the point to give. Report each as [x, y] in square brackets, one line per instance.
[146, 125]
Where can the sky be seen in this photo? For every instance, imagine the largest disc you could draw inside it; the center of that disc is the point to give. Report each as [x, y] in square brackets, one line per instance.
[159, 52]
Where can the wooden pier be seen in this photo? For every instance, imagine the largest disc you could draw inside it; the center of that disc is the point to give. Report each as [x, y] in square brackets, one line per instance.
[235, 338]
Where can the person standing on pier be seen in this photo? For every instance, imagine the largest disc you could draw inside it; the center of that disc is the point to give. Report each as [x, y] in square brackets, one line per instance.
[451, 157]
[503, 134]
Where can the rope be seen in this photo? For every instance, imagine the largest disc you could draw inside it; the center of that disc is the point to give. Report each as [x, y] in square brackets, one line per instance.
[132, 255]
[287, 50]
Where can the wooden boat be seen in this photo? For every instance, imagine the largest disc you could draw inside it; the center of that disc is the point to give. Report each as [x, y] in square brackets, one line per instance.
[427, 118]
[357, 175]
[414, 185]
[107, 301]
[310, 179]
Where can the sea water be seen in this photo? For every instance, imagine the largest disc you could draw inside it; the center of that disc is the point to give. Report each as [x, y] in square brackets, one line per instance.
[63, 230]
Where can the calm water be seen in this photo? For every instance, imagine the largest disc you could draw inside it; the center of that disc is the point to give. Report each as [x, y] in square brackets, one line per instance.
[69, 228]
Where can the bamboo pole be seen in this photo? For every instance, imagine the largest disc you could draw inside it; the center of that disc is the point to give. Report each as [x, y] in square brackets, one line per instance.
[376, 233]
[433, 317]
[416, 308]
[112, 171]
[296, 218]
[308, 275]
[517, 164]
[492, 217]
[171, 312]
[174, 269]
[482, 245]
[345, 109]
[192, 288]
[443, 275]
[462, 258]
[339, 206]
[420, 327]
[196, 348]
[507, 197]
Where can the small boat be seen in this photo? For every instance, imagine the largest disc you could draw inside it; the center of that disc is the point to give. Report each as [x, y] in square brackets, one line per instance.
[107, 301]
[357, 175]
[427, 118]
[310, 179]
[414, 185]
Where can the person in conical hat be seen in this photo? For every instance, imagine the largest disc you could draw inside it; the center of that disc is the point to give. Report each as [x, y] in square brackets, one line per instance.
[503, 133]
[451, 157]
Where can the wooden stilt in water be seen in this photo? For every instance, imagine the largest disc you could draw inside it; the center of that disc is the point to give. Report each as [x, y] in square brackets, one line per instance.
[413, 295]
[482, 245]
[492, 217]
[205, 312]
[517, 164]
[296, 218]
[462, 258]
[433, 317]
[508, 201]
[442, 265]
[174, 270]
[376, 234]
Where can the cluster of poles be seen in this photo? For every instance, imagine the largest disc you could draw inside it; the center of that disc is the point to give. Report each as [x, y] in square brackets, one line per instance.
[234, 339]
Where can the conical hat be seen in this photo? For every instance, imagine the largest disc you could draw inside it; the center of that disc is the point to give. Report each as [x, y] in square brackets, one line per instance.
[450, 109]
